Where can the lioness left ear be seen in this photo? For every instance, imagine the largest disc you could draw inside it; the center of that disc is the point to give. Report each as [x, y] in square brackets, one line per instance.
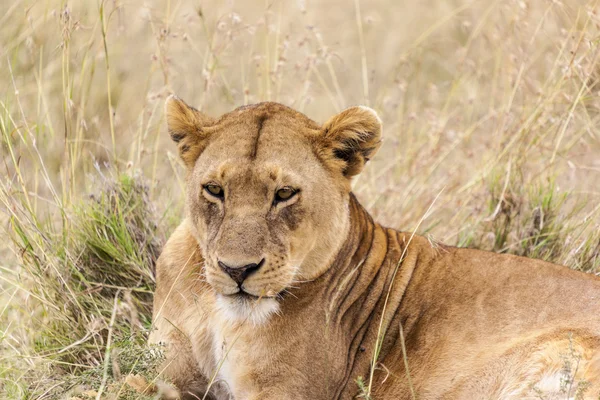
[351, 138]
[187, 127]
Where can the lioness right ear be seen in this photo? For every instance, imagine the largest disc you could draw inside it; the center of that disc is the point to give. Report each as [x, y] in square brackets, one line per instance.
[350, 138]
[187, 129]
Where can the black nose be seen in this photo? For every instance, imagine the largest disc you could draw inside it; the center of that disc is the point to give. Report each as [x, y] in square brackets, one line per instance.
[239, 274]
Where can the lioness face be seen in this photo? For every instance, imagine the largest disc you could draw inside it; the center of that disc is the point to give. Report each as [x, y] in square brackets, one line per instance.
[267, 196]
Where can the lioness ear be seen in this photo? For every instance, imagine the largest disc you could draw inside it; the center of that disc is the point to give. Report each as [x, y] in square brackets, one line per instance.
[187, 128]
[351, 138]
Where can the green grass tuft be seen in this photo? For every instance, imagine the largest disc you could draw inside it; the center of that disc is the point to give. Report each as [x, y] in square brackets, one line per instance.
[102, 270]
[539, 221]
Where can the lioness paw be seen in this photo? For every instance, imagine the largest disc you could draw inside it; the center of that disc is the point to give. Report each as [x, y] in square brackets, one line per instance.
[142, 386]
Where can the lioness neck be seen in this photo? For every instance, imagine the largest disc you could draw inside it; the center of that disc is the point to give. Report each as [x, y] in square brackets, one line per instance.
[364, 286]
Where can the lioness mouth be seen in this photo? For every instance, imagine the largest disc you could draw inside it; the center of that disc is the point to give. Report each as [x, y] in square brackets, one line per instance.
[242, 294]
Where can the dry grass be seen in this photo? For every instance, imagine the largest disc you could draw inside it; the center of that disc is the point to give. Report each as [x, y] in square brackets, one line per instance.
[491, 105]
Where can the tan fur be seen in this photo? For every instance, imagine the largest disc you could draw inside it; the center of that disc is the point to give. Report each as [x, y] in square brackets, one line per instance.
[476, 325]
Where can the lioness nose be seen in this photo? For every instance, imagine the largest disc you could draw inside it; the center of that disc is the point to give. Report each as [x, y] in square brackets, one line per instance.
[239, 274]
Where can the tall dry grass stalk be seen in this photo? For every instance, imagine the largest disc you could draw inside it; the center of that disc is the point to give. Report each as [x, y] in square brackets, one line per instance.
[493, 105]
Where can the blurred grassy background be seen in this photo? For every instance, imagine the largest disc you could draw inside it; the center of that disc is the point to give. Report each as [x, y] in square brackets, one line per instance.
[490, 107]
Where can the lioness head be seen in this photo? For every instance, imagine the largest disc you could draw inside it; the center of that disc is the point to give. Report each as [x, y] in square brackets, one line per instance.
[267, 195]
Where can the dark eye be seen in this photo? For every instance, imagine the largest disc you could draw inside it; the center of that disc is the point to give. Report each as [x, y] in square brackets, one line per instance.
[285, 194]
[214, 190]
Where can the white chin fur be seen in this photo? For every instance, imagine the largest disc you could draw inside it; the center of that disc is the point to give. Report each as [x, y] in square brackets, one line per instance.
[257, 312]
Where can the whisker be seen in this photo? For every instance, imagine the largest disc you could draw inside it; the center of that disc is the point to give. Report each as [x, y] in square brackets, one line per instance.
[287, 292]
[293, 287]
[303, 281]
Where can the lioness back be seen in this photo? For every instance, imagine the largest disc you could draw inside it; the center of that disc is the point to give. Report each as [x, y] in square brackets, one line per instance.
[279, 285]
[484, 325]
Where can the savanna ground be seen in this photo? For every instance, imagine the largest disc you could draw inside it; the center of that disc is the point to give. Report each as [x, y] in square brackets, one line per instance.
[491, 113]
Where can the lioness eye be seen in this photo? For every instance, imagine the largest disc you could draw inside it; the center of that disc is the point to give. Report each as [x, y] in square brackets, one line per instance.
[284, 194]
[214, 190]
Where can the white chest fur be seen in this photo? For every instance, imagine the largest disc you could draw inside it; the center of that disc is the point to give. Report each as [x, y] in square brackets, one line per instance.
[233, 355]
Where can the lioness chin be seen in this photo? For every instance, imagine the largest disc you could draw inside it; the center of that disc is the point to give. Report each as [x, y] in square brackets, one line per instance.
[278, 284]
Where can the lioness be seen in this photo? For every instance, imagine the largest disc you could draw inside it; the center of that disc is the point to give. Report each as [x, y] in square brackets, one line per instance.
[278, 284]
